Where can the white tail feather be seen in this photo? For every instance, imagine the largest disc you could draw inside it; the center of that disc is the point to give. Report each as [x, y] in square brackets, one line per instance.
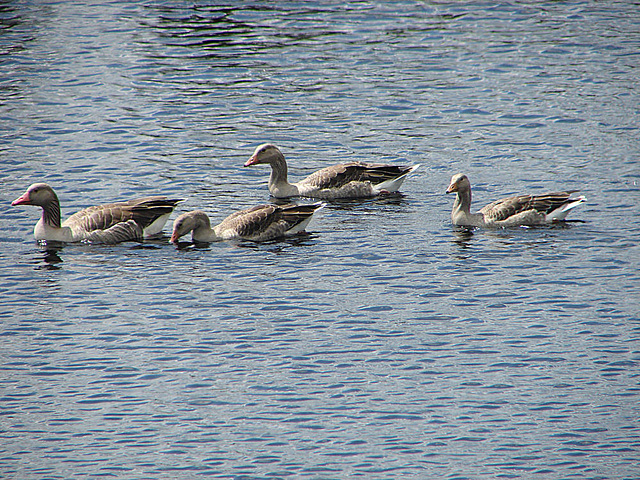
[299, 227]
[302, 225]
[394, 184]
[562, 212]
[156, 227]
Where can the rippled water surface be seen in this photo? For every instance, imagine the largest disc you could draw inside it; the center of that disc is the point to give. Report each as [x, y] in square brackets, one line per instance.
[383, 344]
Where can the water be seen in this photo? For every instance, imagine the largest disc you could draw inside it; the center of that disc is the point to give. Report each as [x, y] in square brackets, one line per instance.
[384, 344]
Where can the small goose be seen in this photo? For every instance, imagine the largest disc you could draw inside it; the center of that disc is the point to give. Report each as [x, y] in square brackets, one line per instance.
[348, 180]
[112, 223]
[259, 223]
[519, 210]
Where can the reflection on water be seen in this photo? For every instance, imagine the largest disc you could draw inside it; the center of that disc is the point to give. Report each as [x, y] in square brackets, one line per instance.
[463, 236]
[151, 244]
[274, 246]
[281, 244]
[49, 255]
[368, 205]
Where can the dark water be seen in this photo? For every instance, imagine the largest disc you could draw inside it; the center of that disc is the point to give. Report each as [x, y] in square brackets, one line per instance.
[384, 344]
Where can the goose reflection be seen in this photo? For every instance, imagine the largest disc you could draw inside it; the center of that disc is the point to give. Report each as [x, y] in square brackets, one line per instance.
[394, 199]
[48, 257]
[463, 237]
[274, 246]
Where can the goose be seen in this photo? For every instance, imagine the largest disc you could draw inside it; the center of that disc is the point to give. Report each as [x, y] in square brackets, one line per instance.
[259, 223]
[111, 223]
[347, 180]
[519, 210]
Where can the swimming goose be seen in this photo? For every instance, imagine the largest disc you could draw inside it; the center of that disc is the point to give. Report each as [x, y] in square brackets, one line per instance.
[112, 223]
[259, 223]
[519, 210]
[347, 180]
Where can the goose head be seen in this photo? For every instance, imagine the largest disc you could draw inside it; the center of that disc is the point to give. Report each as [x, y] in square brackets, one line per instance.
[459, 183]
[189, 222]
[265, 153]
[39, 194]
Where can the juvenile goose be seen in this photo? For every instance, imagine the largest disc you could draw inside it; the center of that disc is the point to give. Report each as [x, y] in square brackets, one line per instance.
[519, 210]
[259, 223]
[348, 180]
[112, 223]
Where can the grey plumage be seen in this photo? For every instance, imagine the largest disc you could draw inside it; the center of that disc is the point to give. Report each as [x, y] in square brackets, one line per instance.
[338, 176]
[110, 223]
[347, 180]
[143, 212]
[510, 211]
[508, 207]
[258, 223]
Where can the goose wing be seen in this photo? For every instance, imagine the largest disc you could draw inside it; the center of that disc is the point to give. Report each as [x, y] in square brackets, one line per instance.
[120, 232]
[296, 217]
[251, 221]
[505, 208]
[337, 176]
[143, 211]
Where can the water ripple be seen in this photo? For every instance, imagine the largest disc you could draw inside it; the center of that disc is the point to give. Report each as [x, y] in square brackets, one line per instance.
[383, 344]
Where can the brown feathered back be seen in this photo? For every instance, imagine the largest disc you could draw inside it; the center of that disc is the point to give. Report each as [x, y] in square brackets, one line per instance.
[337, 176]
[508, 207]
[143, 211]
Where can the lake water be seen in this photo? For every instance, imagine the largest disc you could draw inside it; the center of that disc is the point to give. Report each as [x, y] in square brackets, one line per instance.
[385, 343]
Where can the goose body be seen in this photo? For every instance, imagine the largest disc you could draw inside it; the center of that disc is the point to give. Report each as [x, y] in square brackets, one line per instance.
[259, 223]
[110, 223]
[518, 210]
[347, 180]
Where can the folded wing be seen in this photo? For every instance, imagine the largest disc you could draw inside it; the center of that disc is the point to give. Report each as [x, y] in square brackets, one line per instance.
[509, 207]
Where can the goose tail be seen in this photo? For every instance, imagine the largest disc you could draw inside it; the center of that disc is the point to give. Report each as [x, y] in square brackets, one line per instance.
[394, 184]
[563, 210]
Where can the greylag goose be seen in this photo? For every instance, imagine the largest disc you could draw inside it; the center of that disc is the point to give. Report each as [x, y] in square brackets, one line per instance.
[112, 223]
[519, 210]
[259, 223]
[348, 180]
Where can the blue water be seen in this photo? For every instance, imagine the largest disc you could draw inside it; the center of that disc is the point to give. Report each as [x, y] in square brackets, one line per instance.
[385, 343]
